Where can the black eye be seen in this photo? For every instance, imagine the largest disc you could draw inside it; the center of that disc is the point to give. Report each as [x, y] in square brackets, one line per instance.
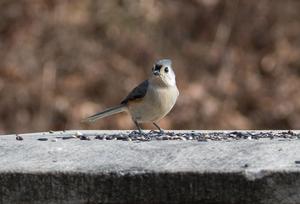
[166, 69]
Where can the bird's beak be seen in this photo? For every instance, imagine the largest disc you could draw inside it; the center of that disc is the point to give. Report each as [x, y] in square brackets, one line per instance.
[156, 72]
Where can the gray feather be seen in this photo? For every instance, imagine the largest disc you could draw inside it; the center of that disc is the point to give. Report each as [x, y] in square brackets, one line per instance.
[137, 93]
[105, 113]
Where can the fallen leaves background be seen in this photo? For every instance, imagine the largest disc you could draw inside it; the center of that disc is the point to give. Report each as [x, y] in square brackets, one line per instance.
[237, 62]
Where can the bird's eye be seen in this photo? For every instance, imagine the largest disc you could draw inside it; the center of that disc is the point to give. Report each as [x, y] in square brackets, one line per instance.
[166, 69]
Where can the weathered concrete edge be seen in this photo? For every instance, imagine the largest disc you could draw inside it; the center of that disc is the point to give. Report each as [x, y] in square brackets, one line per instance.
[148, 187]
[250, 175]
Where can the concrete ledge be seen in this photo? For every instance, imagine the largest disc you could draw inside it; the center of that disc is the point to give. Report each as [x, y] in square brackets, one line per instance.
[60, 170]
[148, 188]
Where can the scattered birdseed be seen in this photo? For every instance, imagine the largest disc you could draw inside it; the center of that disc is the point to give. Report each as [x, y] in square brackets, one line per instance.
[69, 137]
[193, 136]
[19, 138]
[110, 137]
[198, 136]
[99, 137]
[246, 166]
[121, 137]
[165, 137]
[42, 139]
[79, 134]
[83, 137]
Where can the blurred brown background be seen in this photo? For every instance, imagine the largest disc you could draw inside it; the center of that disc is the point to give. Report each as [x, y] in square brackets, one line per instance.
[237, 61]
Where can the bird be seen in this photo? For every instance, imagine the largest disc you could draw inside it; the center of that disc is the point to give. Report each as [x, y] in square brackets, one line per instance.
[151, 100]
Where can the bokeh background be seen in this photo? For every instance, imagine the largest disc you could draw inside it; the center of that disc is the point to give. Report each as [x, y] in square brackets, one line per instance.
[237, 61]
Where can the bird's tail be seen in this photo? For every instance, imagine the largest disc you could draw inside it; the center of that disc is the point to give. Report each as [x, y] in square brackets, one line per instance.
[105, 113]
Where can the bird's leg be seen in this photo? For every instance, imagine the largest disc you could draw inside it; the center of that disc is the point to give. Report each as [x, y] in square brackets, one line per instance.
[161, 131]
[138, 127]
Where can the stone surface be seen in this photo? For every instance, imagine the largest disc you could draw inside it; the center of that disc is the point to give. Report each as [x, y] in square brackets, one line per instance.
[205, 166]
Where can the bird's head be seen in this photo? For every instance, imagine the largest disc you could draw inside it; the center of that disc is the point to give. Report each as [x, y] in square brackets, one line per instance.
[162, 70]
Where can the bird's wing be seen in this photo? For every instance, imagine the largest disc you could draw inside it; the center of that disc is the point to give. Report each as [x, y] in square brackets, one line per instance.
[137, 93]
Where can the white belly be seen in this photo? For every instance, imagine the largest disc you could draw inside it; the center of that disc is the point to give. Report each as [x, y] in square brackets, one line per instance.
[155, 105]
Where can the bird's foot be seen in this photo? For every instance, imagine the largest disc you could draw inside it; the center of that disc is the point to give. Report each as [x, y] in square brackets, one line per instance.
[137, 133]
[159, 132]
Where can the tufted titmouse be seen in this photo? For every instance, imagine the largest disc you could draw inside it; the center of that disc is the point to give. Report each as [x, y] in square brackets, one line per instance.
[151, 100]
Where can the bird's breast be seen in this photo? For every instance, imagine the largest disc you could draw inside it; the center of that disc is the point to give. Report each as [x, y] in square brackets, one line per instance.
[164, 98]
[157, 102]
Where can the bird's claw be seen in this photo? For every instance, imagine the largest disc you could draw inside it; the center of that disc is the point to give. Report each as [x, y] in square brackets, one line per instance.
[137, 133]
[160, 132]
